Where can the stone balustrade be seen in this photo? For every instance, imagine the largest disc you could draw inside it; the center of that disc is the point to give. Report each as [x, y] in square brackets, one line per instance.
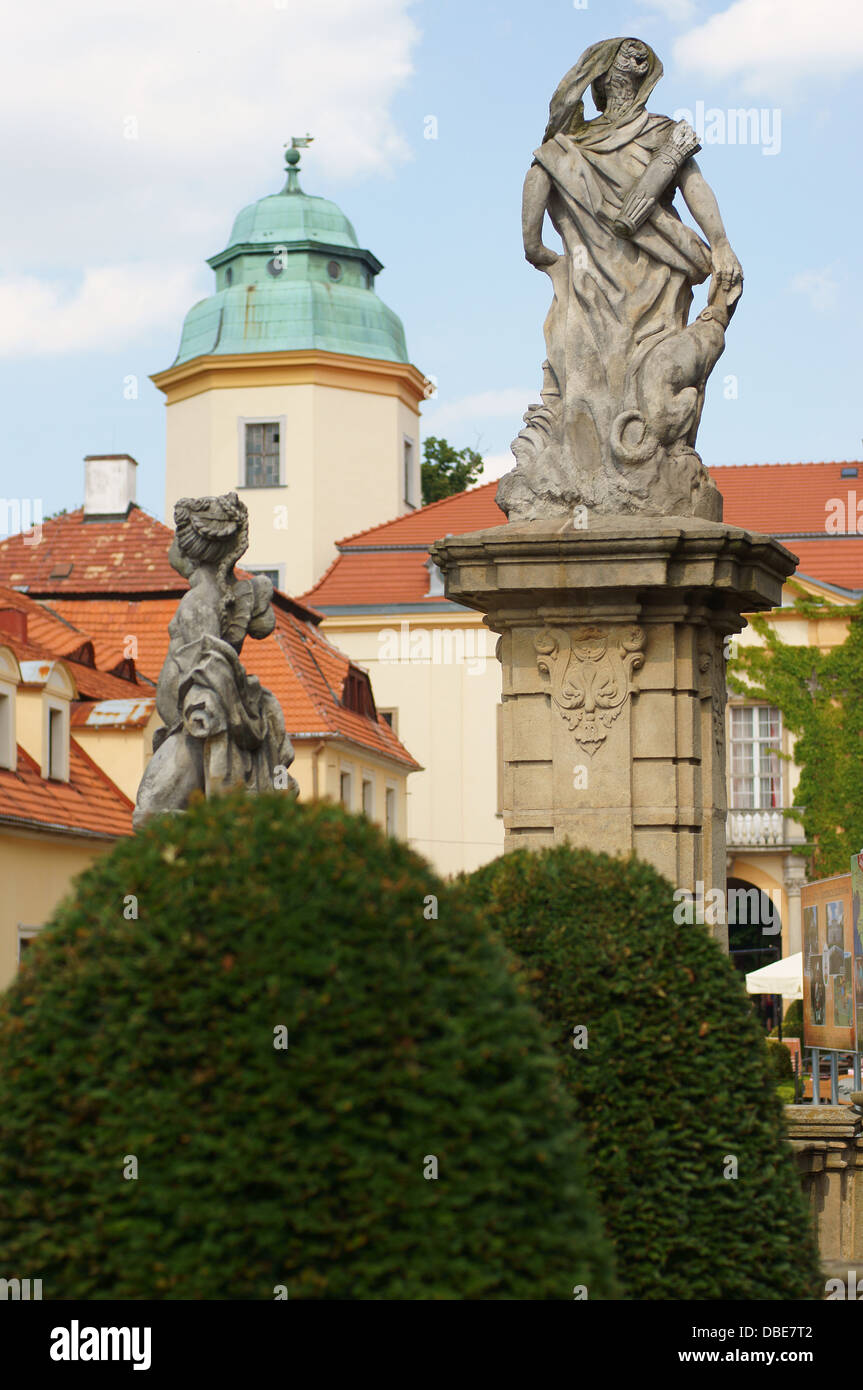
[763, 828]
[827, 1141]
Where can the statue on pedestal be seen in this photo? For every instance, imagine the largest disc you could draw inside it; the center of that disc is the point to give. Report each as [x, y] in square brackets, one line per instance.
[222, 728]
[623, 383]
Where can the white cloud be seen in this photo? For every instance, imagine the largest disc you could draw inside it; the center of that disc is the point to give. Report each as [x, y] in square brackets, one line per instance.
[495, 465]
[108, 308]
[820, 287]
[209, 91]
[485, 405]
[771, 43]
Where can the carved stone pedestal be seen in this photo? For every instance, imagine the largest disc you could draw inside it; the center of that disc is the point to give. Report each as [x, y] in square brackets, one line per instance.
[612, 642]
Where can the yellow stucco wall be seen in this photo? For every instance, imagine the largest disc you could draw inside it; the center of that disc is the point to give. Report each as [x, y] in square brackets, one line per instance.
[121, 753]
[343, 467]
[36, 871]
[445, 684]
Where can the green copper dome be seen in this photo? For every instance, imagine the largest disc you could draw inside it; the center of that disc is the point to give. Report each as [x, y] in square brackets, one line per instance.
[293, 276]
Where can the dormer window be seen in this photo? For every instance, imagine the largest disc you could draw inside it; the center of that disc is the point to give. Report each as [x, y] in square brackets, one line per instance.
[58, 691]
[58, 744]
[9, 678]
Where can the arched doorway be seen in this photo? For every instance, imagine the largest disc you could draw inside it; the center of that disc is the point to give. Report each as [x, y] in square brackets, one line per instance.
[754, 939]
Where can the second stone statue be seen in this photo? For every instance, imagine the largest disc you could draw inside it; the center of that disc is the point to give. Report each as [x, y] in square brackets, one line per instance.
[625, 371]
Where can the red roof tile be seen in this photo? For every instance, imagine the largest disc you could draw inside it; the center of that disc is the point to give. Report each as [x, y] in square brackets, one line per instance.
[89, 802]
[78, 556]
[385, 565]
[297, 663]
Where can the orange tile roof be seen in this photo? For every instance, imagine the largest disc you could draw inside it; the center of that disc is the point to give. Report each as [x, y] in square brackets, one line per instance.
[110, 582]
[50, 637]
[297, 663]
[384, 566]
[78, 556]
[88, 803]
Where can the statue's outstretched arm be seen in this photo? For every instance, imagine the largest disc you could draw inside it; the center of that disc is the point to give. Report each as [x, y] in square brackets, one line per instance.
[537, 186]
[701, 201]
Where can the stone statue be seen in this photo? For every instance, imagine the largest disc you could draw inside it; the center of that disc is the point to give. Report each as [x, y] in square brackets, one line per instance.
[222, 729]
[623, 383]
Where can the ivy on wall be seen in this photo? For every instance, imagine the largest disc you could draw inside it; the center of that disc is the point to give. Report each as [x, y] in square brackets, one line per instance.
[820, 695]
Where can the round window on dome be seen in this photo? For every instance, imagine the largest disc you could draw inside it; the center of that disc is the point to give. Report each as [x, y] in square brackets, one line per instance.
[334, 270]
[276, 265]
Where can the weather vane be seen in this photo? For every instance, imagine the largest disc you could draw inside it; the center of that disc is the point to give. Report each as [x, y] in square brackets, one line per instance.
[292, 161]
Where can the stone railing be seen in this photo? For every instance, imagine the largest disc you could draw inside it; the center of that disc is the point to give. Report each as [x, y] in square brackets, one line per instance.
[828, 1148]
[762, 828]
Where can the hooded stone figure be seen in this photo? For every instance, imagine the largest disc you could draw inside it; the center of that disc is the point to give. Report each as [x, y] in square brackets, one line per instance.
[623, 383]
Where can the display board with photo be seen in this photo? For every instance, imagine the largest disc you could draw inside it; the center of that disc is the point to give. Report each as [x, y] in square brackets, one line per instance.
[830, 978]
[857, 942]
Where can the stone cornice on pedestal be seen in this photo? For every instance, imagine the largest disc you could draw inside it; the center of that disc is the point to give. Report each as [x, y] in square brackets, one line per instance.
[534, 566]
[612, 647]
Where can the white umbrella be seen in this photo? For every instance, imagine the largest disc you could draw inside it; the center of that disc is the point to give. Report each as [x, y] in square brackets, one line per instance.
[783, 977]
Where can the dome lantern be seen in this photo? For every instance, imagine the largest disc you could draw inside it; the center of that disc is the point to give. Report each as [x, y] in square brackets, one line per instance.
[293, 276]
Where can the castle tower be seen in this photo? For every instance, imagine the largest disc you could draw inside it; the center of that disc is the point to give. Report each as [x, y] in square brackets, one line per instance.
[292, 386]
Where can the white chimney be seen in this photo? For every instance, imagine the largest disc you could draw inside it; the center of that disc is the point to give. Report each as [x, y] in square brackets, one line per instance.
[109, 484]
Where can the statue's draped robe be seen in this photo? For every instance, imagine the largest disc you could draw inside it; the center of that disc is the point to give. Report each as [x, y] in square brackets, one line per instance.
[614, 298]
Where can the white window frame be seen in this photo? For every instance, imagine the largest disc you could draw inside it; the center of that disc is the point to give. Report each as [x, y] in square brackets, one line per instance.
[393, 711]
[409, 448]
[258, 568]
[8, 742]
[60, 773]
[242, 421]
[25, 934]
[367, 780]
[756, 743]
[346, 771]
[391, 788]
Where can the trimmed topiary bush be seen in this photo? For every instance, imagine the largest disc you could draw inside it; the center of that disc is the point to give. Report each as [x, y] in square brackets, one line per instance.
[792, 1023]
[779, 1060]
[673, 1087]
[152, 1042]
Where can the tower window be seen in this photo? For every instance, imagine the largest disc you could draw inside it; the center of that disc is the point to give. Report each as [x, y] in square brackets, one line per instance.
[274, 574]
[334, 270]
[262, 454]
[410, 497]
[229, 275]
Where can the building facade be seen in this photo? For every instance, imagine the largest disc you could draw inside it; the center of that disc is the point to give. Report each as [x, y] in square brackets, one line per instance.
[430, 663]
[292, 386]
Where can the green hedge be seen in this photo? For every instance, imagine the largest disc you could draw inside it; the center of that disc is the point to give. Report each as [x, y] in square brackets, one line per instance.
[792, 1023]
[779, 1060]
[674, 1082]
[303, 1167]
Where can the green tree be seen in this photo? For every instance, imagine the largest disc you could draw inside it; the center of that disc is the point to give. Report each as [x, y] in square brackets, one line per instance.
[446, 470]
[662, 1054]
[299, 1065]
[820, 695]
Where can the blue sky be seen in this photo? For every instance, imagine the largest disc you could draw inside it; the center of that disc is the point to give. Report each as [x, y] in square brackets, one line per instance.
[135, 134]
